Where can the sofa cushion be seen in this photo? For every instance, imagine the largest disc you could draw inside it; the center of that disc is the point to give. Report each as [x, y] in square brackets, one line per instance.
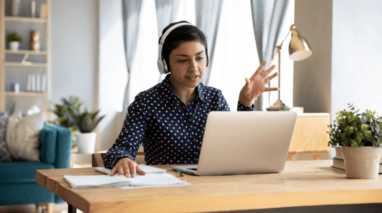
[48, 144]
[21, 172]
[25, 193]
[22, 136]
[5, 156]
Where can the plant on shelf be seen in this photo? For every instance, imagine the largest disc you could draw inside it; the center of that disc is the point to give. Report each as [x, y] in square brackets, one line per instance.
[359, 135]
[85, 122]
[69, 106]
[14, 40]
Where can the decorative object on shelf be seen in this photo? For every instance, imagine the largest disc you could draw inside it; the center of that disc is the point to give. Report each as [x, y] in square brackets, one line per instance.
[31, 87]
[14, 40]
[71, 105]
[15, 7]
[43, 10]
[24, 61]
[35, 40]
[16, 87]
[360, 135]
[33, 9]
[85, 122]
[43, 83]
[38, 82]
[298, 50]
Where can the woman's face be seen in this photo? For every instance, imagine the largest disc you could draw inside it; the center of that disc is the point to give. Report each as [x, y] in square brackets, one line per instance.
[188, 63]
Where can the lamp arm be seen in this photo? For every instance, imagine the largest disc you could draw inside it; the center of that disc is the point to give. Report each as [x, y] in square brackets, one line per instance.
[279, 47]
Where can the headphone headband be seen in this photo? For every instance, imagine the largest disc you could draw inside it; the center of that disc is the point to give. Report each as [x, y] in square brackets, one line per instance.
[162, 66]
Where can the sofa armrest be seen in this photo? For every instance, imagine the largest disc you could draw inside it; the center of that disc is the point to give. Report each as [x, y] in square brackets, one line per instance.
[48, 144]
[63, 147]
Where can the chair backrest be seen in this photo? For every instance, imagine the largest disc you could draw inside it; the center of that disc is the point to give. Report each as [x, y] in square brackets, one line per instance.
[97, 159]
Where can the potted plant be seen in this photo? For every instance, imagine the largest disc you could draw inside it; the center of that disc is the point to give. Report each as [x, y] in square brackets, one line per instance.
[71, 105]
[360, 136]
[14, 40]
[85, 122]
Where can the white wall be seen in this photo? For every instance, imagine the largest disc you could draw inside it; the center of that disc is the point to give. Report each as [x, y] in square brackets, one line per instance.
[356, 64]
[74, 31]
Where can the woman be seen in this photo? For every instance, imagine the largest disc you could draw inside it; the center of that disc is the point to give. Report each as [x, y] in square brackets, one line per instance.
[169, 118]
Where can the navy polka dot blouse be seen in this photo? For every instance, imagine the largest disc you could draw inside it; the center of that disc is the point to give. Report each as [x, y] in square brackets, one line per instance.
[171, 133]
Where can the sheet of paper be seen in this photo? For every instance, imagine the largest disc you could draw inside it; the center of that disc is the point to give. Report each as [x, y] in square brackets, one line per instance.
[147, 169]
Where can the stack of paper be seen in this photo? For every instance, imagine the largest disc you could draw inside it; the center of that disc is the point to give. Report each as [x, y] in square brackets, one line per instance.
[154, 177]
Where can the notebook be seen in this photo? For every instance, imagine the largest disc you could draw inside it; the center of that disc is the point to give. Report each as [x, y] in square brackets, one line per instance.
[244, 143]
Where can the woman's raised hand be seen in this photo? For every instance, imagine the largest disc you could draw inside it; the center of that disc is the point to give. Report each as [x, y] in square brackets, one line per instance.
[126, 166]
[255, 86]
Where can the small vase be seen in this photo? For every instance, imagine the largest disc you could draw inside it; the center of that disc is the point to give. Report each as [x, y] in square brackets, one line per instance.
[362, 162]
[14, 45]
[15, 7]
[86, 142]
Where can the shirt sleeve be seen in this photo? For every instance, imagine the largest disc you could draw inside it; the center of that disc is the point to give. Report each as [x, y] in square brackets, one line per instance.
[241, 107]
[131, 136]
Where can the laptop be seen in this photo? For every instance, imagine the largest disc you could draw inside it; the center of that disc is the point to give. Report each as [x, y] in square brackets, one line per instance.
[244, 143]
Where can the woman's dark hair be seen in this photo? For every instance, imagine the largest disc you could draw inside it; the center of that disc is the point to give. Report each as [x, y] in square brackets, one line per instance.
[178, 35]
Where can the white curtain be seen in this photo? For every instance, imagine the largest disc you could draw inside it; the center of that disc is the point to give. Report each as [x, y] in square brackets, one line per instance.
[207, 19]
[267, 18]
[167, 11]
[131, 12]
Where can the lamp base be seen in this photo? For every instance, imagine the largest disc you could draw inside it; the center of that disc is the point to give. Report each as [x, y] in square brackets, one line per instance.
[276, 106]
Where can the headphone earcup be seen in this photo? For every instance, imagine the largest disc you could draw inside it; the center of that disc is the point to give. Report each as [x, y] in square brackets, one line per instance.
[160, 66]
[165, 68]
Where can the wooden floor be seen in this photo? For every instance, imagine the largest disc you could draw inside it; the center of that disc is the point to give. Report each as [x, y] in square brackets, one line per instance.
[57, 208]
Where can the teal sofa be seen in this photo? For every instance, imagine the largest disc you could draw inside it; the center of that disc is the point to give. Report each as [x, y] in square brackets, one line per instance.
[17, 179]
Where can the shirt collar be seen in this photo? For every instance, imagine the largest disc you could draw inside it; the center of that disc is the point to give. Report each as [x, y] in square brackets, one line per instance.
[166, 88]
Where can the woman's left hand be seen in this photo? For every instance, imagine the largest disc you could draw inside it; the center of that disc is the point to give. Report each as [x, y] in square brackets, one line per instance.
[255, 86]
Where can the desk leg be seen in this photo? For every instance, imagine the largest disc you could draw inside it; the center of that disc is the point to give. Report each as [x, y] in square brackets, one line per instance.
[71, 209]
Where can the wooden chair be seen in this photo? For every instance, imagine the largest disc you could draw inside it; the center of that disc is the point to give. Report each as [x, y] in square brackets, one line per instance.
[97, 159]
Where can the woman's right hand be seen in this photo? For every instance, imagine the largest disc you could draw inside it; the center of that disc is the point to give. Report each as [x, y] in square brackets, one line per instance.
[127, 166]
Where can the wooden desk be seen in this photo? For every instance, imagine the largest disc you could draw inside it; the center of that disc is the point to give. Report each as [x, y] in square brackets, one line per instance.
[302, 183]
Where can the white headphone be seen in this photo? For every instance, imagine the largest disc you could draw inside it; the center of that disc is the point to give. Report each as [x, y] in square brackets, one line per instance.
[162, 66]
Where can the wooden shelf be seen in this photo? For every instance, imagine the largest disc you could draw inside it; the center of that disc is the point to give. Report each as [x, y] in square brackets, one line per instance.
[31, 94]
[18, 64]
[25, 19]
[23, 52]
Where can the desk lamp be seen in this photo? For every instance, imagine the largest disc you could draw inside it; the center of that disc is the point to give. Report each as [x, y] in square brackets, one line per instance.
[298, 50]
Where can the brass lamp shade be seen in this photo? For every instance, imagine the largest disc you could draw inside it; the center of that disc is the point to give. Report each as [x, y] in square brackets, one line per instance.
[298, 47]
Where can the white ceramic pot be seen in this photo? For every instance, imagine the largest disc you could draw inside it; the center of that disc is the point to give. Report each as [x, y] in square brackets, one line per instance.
[362, 162]
[86, 142]
[14, 45]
